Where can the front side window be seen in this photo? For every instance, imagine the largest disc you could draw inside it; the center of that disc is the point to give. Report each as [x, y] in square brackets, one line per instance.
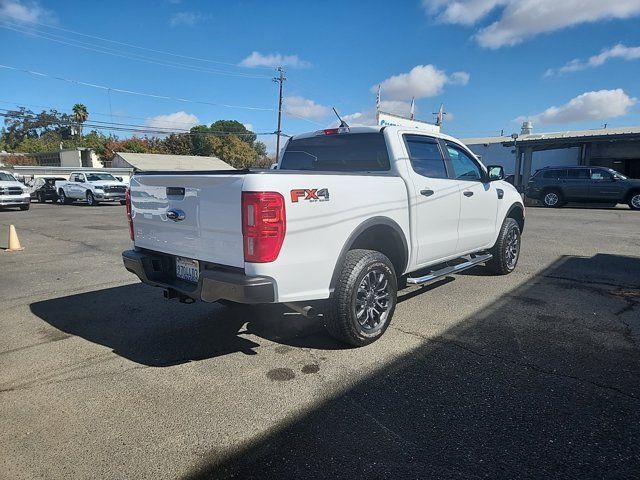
[6, 177]
[600, 175]
[464, 167]
[426, 158]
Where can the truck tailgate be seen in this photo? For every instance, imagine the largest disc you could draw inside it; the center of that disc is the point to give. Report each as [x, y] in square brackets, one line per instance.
[211, 229]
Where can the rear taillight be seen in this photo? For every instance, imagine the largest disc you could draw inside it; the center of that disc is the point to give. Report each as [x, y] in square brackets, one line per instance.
[127, 200]
[263, 225]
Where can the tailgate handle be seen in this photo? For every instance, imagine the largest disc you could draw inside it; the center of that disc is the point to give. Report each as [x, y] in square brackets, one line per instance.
[175, 191]
[175, 215]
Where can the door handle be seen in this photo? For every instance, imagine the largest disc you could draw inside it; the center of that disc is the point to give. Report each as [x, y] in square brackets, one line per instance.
[468, 193]
[427, 193]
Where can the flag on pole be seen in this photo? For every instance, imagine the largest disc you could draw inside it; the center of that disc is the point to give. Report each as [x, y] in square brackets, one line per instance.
[378, 99]
[413, 108]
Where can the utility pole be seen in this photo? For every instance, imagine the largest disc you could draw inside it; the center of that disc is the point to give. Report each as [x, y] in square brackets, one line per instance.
[279, 79]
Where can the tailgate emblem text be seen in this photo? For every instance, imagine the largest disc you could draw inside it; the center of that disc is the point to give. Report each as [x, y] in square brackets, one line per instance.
[310, 194]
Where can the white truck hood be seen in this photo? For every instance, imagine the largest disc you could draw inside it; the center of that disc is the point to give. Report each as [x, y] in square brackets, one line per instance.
[7, 184]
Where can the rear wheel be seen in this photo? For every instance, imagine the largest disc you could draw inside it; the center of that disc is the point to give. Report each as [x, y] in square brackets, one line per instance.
[364, 298]
[63, 198]
[506, 250]
[634, 201]
[552, 199]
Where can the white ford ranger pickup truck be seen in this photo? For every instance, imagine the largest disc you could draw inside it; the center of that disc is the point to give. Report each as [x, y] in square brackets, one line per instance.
[13, 193]
[349, 216]
[92, 187]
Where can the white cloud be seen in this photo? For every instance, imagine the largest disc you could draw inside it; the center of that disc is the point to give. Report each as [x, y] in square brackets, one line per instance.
[173, 121]
[257, 59]
[422, 81]
[465, 12]
[249, 126]
[22, 12]
[597, 105]
[523, 19]
[186, 19]
[617, 51]
[304, 108]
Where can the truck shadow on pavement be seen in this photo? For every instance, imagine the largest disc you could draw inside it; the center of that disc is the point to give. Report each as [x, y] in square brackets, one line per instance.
[138, 324]
[542, 383]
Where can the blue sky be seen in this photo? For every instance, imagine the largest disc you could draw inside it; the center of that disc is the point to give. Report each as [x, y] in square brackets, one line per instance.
[564, 65]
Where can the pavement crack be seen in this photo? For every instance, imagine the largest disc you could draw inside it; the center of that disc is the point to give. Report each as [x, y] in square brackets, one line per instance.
[526, 365]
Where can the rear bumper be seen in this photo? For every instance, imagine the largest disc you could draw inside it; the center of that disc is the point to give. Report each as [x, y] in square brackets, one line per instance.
[158, 270]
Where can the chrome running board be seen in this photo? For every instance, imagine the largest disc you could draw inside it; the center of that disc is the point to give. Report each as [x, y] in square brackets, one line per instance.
[443, 272]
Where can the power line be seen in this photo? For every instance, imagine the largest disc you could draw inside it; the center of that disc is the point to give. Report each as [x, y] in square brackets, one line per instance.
[101, 114]
[136, 128]
[138, 46]
[132, 92]
[116, 53]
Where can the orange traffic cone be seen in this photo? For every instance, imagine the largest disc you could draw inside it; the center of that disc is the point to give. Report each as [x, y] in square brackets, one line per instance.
[14, 243]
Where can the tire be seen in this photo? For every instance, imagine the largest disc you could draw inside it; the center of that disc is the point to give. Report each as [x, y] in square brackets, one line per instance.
[505, 252]
[552, 198]
[63, 199]
[91, 200]
[367, 283]
[25, 207]
[634, 200]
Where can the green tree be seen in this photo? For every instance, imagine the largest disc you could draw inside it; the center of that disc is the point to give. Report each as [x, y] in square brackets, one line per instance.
[234, 127]
[80, 115]
[178, 144]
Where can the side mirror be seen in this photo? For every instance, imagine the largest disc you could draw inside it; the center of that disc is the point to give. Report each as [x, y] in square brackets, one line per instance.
[496, 172]
[119, 179]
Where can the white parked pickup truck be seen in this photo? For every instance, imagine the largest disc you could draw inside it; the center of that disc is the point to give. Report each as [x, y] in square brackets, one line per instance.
[92, 187]
[13, 193]
[349, 216]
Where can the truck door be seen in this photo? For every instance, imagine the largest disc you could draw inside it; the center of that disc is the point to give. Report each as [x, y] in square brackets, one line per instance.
[435, 199]
[78, 187]
[478, 200]
[603, 186]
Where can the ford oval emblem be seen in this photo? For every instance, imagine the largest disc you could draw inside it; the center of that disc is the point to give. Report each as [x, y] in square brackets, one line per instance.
[175, 215]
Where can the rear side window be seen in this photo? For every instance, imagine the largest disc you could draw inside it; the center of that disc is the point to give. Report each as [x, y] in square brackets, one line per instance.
[347, 152]
[426, 158]
[578, 173]
[555, 174]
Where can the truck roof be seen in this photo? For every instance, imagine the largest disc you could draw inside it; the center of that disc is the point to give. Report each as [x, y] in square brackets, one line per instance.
[379, 128]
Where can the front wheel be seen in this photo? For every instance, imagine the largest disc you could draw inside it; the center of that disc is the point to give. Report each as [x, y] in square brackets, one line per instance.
[634, 201]
[91, 200]
[25, 207]
[364, 298]
[506, 250]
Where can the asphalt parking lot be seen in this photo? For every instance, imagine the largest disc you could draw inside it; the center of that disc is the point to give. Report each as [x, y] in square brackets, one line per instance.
[536, 374]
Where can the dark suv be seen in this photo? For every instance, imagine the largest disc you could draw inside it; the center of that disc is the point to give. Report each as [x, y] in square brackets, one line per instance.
[555, 186]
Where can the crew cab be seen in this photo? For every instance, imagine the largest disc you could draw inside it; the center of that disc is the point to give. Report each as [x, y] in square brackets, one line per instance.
[13, 193]
[348, 216]
[91, 186]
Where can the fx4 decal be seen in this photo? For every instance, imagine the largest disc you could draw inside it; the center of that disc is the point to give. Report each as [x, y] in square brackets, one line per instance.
[310, 194]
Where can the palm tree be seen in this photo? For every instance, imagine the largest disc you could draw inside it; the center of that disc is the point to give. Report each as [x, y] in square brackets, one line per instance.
[80, 115]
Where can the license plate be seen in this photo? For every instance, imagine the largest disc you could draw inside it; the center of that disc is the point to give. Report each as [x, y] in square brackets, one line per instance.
[187, 269]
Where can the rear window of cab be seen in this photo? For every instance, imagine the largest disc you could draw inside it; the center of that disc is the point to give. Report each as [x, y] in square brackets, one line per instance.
[346, 152]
